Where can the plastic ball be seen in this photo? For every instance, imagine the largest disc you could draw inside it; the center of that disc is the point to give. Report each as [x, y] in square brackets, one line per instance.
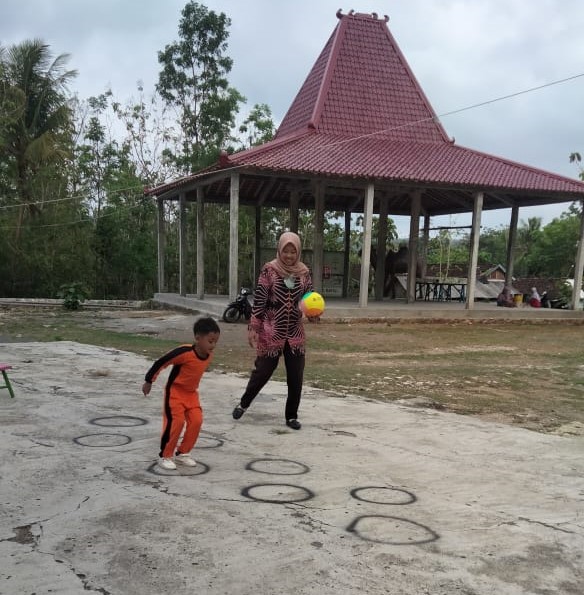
[312, 304]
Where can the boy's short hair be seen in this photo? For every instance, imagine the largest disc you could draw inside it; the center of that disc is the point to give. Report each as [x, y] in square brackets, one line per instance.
[204, 326]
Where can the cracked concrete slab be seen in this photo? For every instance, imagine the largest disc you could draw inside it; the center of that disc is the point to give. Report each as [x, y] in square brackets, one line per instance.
[367, 497]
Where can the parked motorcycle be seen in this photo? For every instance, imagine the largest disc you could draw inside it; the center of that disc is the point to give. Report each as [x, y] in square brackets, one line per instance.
[238, 308]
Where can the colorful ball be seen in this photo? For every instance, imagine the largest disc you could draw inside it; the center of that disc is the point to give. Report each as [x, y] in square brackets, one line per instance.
[312, 304]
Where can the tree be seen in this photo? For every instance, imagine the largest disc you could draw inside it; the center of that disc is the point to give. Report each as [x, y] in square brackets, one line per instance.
[258, 127]
[37, 132]
[577, 159]
[553, 254]
[194, 80]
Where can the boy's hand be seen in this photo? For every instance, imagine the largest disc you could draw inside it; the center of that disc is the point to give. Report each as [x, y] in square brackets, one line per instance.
[146, 388]
[313, 319]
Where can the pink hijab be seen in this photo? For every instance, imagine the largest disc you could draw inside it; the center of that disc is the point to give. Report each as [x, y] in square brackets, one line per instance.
[298, 269]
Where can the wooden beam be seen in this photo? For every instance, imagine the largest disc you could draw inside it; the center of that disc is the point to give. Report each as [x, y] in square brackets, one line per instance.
[511, 243]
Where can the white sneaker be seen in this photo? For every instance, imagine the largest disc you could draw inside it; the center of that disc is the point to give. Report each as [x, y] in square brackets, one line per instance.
[185, 459]
[166, 463]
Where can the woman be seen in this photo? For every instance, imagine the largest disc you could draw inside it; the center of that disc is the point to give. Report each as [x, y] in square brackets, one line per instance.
[534, 299]
[505, 298]
[276, 326]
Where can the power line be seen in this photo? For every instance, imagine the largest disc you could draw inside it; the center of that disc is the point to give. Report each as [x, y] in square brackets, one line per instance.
[456, 111]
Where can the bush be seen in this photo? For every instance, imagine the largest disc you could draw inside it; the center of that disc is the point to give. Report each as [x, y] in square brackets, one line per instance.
[72, 295]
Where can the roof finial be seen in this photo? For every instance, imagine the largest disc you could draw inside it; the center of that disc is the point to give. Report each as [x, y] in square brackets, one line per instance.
[374, 15]
[351, 12]
[340, 13]
[386, 18]
[224, 158]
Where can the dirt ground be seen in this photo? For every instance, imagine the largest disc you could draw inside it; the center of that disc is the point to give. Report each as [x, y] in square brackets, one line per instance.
[529, 375]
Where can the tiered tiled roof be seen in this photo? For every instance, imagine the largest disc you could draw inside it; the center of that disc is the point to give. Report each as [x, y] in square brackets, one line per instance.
[360, 85]
[362, 115]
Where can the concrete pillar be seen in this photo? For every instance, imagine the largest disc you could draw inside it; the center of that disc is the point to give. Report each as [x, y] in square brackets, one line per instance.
[381, 247]
[200, 243]
[474, 250]
[318, 242]
[294, 202]
[424, 250]
[366, 247]
[182, 244]
[579, 265]
[234, 236]
[415, 209]
[161, 246]
[346, 255]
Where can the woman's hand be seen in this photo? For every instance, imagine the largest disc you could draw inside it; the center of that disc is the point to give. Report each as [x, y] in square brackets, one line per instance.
[252, 338]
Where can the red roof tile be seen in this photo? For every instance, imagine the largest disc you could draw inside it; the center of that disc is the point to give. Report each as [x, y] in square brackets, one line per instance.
[360, 84]
[361, 114]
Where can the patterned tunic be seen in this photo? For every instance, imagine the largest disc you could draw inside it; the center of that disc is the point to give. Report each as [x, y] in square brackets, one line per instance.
[276, 317]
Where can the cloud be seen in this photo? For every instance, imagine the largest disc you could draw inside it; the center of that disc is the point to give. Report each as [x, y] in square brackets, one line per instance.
[462, 52]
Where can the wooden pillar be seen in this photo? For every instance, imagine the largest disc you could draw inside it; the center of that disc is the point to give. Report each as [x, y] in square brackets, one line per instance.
[182, 244]
[426, 244]
[346, 255]
[161, 247]
[381, 248]
[200, 243]
[258, 243]
[318, 243]
[509, 265]
[579, 264]
[366, 247]
[294, 202]
[233, 235]
[415, 209]
[474, 250]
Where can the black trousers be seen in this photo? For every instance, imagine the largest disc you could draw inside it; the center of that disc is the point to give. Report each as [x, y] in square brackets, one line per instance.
[264, 368]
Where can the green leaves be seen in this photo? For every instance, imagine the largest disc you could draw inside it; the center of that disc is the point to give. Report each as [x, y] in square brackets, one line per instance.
[193, 78]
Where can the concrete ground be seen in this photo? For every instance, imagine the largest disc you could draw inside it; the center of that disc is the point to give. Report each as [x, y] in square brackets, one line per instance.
[367, 497]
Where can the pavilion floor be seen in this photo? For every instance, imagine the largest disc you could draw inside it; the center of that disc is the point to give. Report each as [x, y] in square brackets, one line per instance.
[348, 309]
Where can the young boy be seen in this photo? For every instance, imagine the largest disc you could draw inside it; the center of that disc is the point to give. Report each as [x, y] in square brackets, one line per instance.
[181, 406]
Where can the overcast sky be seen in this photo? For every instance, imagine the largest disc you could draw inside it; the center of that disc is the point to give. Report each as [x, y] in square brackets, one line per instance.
[463, 52]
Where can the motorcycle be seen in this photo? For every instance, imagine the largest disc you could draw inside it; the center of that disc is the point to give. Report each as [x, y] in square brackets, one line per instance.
[239, 307]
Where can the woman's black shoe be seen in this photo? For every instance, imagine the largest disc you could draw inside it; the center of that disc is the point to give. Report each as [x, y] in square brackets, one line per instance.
[294, 424]
[238, 412]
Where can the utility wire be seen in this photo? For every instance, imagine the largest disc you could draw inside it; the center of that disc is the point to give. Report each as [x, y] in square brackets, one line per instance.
[457, 111]
[420, 121]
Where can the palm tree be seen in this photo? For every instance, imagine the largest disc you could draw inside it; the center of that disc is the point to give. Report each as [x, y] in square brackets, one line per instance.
[35, 131]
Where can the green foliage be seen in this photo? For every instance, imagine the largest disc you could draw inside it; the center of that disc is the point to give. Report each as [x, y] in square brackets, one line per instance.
[258, 127]
[554, 253]
[577, 158]
[193, 78]
[72, 295]
[36, 128]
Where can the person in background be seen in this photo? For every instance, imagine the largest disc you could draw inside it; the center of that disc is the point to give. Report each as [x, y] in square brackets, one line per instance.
[534, 299]
[276, 326]
[505, 298]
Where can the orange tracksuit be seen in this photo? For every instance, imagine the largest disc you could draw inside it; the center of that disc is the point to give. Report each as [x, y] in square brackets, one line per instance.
[181, 398]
